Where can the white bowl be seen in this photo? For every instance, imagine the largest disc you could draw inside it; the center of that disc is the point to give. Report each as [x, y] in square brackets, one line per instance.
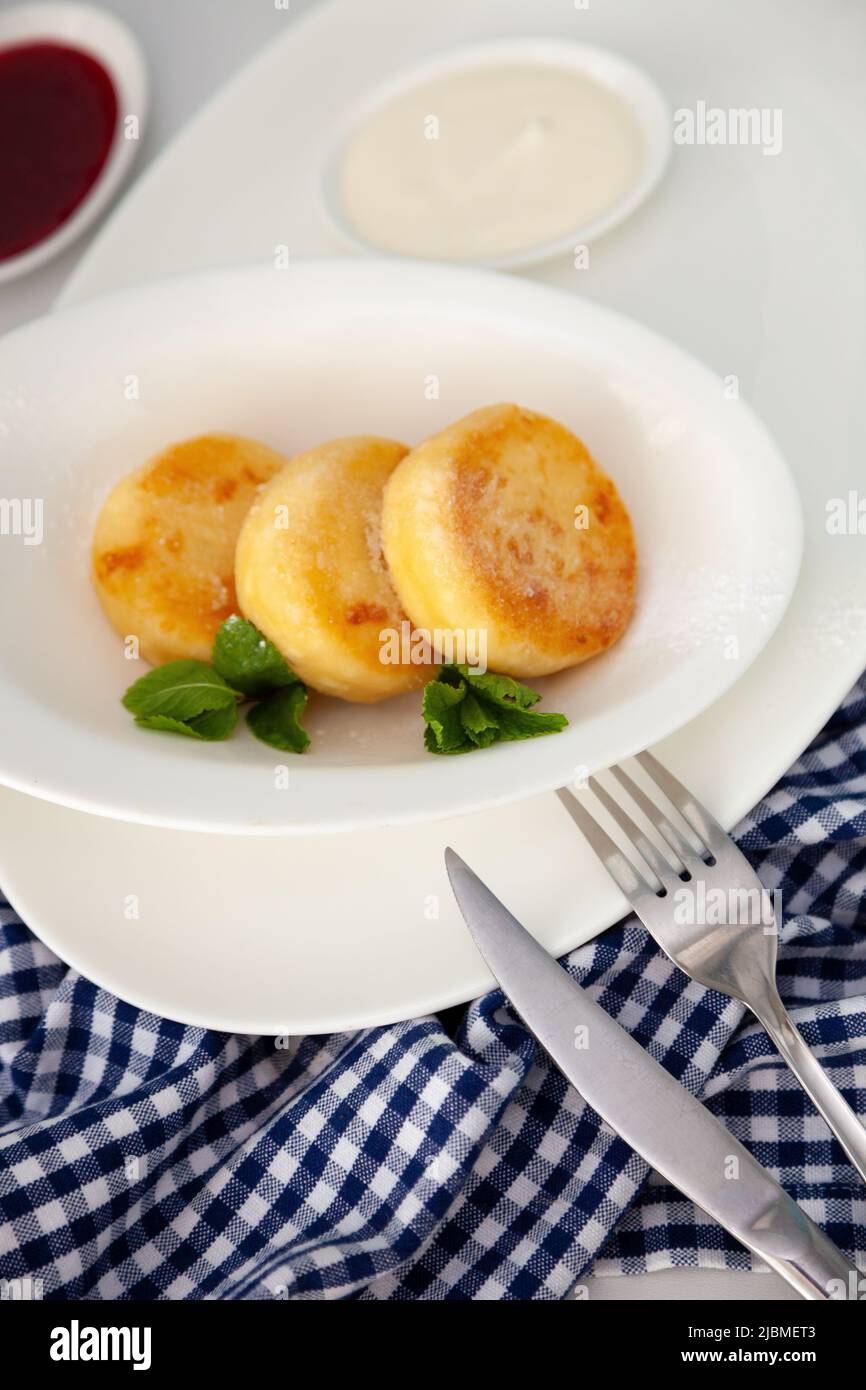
[350, 346]
[116, 48]
[616, 74]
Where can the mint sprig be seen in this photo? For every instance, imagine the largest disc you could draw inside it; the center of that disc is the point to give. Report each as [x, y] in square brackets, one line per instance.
[464, 710]
[201, 700]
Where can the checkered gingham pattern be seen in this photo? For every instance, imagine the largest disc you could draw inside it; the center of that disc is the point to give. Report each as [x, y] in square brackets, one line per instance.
[140, 1159]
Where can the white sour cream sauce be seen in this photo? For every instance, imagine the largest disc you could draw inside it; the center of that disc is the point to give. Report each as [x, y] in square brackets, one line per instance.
[478, 164]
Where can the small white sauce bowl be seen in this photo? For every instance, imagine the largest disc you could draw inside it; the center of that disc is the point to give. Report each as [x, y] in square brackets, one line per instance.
[113, 45]
[638, 93]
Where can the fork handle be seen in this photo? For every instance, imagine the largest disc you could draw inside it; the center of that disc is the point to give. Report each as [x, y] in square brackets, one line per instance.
[815, 1081]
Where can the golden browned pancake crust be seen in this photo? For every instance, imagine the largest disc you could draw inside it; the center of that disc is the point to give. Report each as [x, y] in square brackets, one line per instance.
[311, 575]
[505, 523]
[164, 543]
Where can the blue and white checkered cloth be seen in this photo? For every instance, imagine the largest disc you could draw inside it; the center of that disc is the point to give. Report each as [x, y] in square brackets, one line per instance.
[140, 1159]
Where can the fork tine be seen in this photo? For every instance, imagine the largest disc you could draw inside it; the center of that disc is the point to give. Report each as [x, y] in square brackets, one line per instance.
[624, 874]
[658, 866]
[680, 847]
[693, 813]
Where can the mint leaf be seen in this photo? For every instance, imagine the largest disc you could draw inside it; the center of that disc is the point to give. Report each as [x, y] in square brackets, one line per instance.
[463, 711]
[502, 690]
[180, 690]
[439, 706]
[216, 724]
[213, 725]
[520, 723]
[276, 720]
[247, 660]
[498, 690]
[479, 724]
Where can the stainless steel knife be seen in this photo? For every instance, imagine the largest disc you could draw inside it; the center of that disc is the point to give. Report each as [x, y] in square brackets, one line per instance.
[652, 1111]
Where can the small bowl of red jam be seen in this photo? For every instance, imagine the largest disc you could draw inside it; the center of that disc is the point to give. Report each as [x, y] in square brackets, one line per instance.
[73, 97]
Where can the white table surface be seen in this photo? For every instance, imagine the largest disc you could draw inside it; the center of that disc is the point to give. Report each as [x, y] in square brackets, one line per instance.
[221, 35]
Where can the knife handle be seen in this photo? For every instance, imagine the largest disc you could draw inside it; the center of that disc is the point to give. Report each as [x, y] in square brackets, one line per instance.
[791, 1244]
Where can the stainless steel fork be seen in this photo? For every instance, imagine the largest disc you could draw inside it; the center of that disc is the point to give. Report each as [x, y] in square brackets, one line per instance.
[702, 873]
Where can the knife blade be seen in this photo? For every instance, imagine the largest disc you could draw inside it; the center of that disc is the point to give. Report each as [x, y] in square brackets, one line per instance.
[645, 1104]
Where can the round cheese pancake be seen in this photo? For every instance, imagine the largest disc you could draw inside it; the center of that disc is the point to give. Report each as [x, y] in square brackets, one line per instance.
[503, 527]
[310, 573]
[164, 544]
